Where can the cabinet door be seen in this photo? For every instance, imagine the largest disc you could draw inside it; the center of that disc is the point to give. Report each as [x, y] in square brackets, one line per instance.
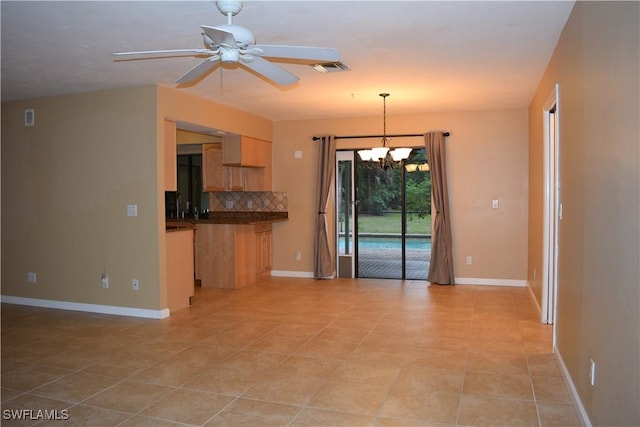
[213, 173]
[266, 242]
[255, 179]
[235, 178]
[263, 249]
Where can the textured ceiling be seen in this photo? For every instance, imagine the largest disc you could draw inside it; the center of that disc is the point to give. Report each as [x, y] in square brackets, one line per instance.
[429, 55]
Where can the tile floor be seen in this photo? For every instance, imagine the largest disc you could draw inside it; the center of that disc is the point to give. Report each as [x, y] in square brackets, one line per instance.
[292, 352]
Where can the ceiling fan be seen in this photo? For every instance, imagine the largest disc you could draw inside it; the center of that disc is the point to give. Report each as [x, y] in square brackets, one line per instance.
[231, 44]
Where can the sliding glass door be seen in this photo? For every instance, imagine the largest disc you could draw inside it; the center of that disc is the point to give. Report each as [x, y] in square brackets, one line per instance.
[386, 233]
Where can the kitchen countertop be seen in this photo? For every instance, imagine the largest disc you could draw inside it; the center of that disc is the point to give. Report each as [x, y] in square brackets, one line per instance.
[227, 218]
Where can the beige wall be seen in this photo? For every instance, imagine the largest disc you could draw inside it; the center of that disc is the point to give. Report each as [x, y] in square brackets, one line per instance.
[487, 159]
[596, 64]
[66, 184]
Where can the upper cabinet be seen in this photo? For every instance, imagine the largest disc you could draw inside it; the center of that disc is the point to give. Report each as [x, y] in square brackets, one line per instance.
[170, 171]
[250, 169]
[246, 152]
[213, 174]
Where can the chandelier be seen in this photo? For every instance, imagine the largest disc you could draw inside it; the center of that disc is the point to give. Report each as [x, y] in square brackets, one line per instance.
[381, 157]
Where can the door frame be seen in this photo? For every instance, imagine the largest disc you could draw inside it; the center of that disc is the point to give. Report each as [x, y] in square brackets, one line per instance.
[552, 207]
[345, 156]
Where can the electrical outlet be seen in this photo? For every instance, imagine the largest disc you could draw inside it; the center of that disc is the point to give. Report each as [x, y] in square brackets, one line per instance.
[249, 204]
[495, 204]
[229, 204]
[31, 277]
[298, 256]
[592, 372]
[135, 284]
[469, 260]
[105, 281]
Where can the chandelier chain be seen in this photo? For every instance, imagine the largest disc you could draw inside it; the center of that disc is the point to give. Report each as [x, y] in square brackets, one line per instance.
[384, 118]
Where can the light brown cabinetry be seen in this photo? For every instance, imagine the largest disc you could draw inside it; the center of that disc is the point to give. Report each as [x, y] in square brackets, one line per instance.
[263, 248]
[218, 177]
[236, 178]
[231, 256]
[245, 151]
[213, 174]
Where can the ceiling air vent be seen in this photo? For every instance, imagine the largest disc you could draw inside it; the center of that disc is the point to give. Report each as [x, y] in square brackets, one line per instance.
[330, 67]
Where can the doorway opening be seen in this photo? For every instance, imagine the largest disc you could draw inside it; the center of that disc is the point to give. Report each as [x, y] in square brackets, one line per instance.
[383, 218]
[552, 208]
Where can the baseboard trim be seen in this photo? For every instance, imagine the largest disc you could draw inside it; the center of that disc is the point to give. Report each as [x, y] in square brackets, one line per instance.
[535, 300]
[582, 412]
[286, 273]
[490, 282]
[91, 308]
[459, 280]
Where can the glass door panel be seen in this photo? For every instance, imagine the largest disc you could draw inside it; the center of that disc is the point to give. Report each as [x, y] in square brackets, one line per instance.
[379, 222]
[418, 217]
[345, 214]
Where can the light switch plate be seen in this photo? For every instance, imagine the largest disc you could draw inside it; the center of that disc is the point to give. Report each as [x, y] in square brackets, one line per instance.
[132, 210]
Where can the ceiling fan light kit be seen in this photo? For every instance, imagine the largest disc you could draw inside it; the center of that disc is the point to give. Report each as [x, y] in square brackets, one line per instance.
[231, 44]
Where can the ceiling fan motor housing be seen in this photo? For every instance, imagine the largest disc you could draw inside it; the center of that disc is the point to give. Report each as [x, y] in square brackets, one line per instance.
[229, 6]
[243, 36]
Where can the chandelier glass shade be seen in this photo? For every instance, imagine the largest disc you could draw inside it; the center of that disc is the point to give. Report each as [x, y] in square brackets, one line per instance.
[412, 167]
[382, 157]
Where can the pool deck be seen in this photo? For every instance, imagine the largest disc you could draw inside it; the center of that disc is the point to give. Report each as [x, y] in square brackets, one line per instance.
[387, 263]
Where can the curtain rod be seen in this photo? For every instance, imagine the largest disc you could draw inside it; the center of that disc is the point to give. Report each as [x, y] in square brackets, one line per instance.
[315, 138]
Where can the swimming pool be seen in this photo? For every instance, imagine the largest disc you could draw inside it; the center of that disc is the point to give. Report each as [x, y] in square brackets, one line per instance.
[371, 242]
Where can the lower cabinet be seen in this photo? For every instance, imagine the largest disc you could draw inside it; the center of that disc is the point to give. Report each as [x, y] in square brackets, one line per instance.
[263, 248]
[231, 256]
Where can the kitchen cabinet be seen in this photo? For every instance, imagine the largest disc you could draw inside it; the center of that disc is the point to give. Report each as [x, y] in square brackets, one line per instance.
[231, 256]
[235, 178]
[213, 175]
[226, 175]
[263, 248]
[245, 151]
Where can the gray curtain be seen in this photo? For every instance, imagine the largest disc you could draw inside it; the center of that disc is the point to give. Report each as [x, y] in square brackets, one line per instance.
[323, 264]
[441, 265]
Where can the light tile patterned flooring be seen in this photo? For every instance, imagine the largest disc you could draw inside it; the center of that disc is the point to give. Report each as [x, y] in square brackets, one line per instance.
[294, 352]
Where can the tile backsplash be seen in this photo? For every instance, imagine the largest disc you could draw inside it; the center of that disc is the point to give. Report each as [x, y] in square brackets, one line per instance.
[248, 201]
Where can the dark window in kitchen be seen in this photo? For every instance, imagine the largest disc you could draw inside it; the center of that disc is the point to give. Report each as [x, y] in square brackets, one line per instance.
[190, 195]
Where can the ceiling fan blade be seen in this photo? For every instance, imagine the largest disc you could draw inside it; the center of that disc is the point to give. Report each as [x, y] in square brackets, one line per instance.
[326, 54]
[270, 71]
[125, 56]
[199, 69]
[220, 37]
